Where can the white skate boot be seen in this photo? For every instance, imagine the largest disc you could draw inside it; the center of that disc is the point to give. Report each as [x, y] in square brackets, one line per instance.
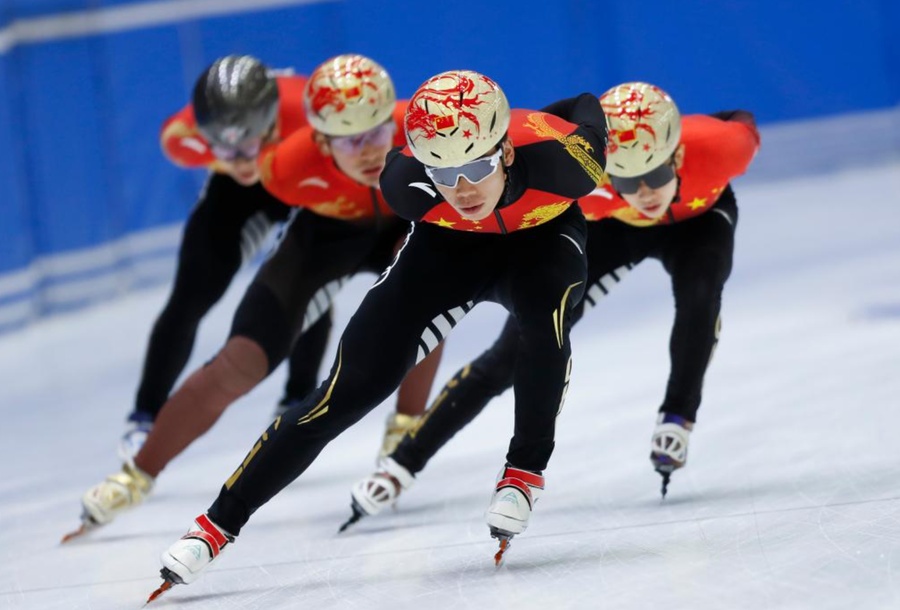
[189, 556]
[105, 501]
[514, 498]
[669, 445]
[395, 429]
[378, 491]
[183, 561]
[117, 493]
[137, 430]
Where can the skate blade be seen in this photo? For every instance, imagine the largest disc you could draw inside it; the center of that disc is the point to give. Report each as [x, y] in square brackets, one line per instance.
[500, 555]
[358, 514]
[665, 470]
[87, 525]
[170, 579]
[505, 539]
[81, 531]
[665, 483]
[167, 584]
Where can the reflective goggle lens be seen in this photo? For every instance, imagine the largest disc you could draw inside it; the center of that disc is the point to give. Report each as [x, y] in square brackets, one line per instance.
[654, 179]
[378, 136]
[249, 149]
[474, 172]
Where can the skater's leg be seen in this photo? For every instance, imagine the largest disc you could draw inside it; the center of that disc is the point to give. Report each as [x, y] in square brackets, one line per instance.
[209, 256]
[392, 330]
[461, 399]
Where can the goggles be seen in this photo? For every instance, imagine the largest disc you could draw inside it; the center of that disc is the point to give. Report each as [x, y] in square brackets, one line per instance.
[474, 171]
[377, 136]
[248, 149]
[654, 179]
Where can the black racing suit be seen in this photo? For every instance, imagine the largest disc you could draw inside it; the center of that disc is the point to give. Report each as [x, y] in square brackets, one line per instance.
[696, 253]
[224, 230]
[537, 273]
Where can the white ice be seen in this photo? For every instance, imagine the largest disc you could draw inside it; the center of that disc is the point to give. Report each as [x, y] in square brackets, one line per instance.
[791, 497]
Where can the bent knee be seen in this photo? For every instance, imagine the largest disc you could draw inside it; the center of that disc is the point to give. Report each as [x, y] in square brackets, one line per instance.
[239, 366]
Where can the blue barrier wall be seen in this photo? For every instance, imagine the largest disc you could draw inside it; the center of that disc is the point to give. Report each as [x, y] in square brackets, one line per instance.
[86, 84]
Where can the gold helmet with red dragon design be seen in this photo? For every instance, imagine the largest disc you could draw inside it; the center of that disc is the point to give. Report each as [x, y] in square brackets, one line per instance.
[456, 117]
[644, 128]
[348, 95]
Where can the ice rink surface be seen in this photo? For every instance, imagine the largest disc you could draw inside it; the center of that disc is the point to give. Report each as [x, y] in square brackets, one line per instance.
[791, 497]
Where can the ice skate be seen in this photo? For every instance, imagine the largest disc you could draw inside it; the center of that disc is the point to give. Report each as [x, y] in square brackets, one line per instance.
[189, 556]
[378, 491]
[395, 429]
[137, 430]
[669, 445]
[105, 501]
[510, 509]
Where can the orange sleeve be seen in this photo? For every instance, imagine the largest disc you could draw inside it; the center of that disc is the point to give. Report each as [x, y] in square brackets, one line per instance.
[182, 143]
[732, 143]
[280, 166]
[602, 202]
[740, 147]
[291, 114]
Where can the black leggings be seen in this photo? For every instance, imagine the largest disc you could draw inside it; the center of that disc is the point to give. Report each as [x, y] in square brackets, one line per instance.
[537, 274]
[697, 254]
[225, 229]
[293, 290]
